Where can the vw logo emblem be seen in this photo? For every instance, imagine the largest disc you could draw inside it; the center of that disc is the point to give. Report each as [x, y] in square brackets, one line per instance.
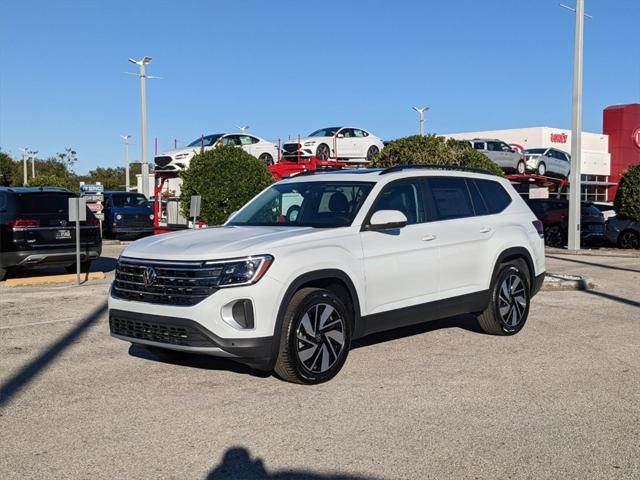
[63, 223]
[149, 276]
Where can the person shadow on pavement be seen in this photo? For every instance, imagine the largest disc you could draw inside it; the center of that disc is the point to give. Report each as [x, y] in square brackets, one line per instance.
[237, 464]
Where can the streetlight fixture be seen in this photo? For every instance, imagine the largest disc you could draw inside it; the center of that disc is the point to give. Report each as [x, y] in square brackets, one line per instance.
[421, 111]
[243, 128]
[575, 190]
[25, 151]
[143, 119]
[126, 162]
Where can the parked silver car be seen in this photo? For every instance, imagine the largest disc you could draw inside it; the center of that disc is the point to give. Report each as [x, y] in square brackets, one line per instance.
[500, 153]
[623, 232]
[548, 162]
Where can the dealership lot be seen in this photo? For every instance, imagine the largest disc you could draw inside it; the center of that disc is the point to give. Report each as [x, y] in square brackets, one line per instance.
[558, 400]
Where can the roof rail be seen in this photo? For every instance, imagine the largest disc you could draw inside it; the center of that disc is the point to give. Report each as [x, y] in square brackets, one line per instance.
[462, 168]
[304, 173]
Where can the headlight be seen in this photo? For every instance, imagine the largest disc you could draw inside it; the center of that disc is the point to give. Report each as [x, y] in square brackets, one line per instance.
[244, 271]
[151, 217]
[118, 217]
[308, 144]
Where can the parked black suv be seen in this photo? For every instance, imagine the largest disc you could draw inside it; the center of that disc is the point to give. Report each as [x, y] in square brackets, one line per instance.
[554, 215]
[34, 230]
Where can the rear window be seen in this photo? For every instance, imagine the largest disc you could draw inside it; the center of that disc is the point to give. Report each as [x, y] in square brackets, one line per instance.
[495, 196]
[43, 202]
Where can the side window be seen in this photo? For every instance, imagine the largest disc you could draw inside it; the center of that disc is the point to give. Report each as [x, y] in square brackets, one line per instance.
[254, 139]
[233, 140]
[494, 146]
[245, 140]
[505, 147]
[405, 196]
[479, 206]
[450, 197]
[347, 132]
[495, 196]
[359, 133]
[478, 145]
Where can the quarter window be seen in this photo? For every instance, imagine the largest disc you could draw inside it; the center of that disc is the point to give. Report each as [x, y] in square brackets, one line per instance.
[495, 196]
[478, 145]
[404, 196]
[450, 197]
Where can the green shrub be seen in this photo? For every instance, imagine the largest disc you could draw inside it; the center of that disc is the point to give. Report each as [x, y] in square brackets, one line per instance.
[434, 150]
[226, 178]
[627, 201]
[53, 181]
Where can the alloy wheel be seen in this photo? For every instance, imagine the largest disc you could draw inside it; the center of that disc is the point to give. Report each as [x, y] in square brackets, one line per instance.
[320, 338]
[373, 150]
[520, 168]
[629, 240]
[542, 169]
[512, 301]
[323, 152]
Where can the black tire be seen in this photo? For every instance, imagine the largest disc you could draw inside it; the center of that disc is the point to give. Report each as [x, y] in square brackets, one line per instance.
[542, 169]
[310, 353]
[373, 150]
[508, 307]
[521, 168]
[323, 152]
[266, 158]
[554, 236]
[84, 267]
[629, 239]
[3, 273]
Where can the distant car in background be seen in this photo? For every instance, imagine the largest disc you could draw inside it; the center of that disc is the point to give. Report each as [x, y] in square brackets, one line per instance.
[35, 230]
[500, 153]
[548, 162]
[335, 143]
[554, 215]
[177, 160]
[126, 213]
[623, 232]
[606, 208]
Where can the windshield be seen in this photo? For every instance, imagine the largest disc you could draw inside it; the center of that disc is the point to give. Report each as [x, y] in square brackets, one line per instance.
[305, 204]
[209, 140]
[325, 132]
[131, 200]
[535, 151]
[43, 202]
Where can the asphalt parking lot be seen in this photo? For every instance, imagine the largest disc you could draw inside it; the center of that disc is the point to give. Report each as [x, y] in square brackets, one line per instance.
[442, 400]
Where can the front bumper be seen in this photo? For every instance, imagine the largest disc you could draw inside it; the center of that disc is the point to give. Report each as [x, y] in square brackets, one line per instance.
[537, 283]
[130, 229]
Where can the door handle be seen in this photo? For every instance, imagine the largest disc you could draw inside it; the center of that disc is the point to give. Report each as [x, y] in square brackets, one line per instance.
[486, 230]
[428, 238]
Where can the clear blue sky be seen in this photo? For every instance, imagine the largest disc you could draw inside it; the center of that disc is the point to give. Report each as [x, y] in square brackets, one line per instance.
[288, 67]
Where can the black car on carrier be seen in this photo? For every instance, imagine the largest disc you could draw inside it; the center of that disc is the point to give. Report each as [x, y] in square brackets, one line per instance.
[35, 231]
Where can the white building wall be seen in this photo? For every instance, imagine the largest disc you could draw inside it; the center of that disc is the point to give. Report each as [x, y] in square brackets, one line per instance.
[596, 159]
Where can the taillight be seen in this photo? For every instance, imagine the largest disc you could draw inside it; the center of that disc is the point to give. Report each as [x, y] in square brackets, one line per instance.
[539, 227]
[20, 223]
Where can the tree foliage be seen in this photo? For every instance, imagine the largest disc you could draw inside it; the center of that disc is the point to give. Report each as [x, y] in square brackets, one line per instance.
[7, 170]
[627, 201]
[48, 180]
[226, 178]
[434, 150]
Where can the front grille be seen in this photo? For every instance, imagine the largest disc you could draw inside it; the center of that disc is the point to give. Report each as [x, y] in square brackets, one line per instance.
[162, 161]
[290, 147]
[180, 283]
[135, 220]
[174, 334]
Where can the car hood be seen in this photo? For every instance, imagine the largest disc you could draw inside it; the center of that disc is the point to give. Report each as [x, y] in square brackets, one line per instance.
[174, 153]
[311, 139]
[215, 243]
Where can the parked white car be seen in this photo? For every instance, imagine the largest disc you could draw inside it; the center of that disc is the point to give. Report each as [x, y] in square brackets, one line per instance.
[548, 162]
[500, 153]
[335, 143]
[176, 160]
[317, 261]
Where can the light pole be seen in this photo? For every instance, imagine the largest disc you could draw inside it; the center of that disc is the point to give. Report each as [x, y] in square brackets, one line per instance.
[575, 190]
[25, 151]
[143, 120]
[32, 154]
[421, 111]
[126, 162]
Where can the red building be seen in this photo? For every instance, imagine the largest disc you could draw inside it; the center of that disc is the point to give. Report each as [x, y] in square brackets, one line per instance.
[622, 124]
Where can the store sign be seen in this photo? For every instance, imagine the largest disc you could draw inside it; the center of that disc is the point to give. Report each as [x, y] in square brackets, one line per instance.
[636, 137]
[91, 189]
[559, 138]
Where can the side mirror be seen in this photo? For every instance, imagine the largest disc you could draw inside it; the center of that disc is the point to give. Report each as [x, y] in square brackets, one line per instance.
[387, 220]
[340, 135]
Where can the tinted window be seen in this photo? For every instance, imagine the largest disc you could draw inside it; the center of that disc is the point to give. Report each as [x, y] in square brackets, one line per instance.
[45, 202]
[232, 140]
[478, 203]
[405, 196]
[245, 140]
[450, 197]
[478, 145]
[325, 132]
[130, 200]
[208, 140]
[495, 196]
[494, 146]
[359, 133]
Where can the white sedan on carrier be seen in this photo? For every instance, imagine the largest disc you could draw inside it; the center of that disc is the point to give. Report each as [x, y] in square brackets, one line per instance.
[335, 143]
[177, 160]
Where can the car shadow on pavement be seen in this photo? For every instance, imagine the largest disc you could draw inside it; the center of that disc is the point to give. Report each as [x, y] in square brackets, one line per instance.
[594, 264]
[34, 368]
[465, 322]
[194, 360]
[237, 464]
[615, 298]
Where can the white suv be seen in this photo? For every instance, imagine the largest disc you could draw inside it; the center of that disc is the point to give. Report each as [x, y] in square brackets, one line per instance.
[316, 261]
